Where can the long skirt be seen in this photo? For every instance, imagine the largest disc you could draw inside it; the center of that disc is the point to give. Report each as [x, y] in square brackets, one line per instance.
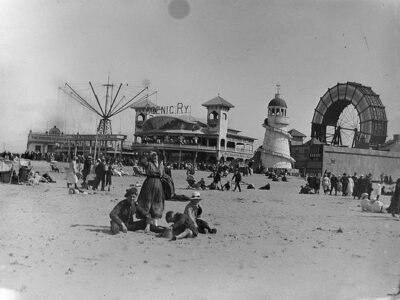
[151, 199]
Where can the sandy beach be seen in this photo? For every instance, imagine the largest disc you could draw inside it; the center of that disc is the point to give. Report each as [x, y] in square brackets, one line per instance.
[273, 244]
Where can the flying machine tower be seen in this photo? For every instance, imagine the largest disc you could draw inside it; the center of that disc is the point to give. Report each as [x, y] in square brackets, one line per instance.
[111, 101]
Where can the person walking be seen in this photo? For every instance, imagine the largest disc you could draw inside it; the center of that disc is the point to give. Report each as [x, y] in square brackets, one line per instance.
[238, 178]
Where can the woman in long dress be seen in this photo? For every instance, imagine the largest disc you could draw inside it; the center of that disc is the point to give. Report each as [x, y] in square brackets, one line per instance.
[72, 178]
[394, 207]
[350, 186]
[151, 198]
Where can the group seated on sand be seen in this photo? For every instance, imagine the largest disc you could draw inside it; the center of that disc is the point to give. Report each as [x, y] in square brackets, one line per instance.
[127, 215]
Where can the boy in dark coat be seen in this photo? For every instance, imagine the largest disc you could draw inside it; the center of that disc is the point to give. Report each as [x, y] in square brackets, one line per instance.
[182, 227]
[122, 215]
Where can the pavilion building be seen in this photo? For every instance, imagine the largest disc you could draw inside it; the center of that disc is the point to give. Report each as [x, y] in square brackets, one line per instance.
[180, 136]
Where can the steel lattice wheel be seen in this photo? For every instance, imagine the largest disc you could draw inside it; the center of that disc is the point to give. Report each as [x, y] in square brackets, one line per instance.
[350, 112]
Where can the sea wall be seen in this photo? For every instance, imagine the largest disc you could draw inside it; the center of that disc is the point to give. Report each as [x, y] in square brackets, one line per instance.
[363, 161]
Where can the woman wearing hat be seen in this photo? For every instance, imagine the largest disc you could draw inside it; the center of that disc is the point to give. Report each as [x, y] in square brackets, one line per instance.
[151, 197]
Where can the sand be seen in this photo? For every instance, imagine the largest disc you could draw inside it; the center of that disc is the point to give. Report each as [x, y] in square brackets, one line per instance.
[273, 244]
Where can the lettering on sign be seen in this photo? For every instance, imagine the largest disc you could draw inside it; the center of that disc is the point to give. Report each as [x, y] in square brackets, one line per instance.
[179, 109]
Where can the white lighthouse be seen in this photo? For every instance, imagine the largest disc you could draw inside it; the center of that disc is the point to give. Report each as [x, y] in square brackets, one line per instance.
[275, 151]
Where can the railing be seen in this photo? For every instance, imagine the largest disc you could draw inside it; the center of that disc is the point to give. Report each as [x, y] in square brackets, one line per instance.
[242, 152]
[174, 146]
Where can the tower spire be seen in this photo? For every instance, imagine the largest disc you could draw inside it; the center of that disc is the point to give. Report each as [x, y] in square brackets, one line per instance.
[278, 90]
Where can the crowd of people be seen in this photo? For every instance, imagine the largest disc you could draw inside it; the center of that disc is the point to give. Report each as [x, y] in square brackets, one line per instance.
[359, 187]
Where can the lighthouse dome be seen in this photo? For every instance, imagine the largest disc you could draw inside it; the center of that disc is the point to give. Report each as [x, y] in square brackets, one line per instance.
[277, 101]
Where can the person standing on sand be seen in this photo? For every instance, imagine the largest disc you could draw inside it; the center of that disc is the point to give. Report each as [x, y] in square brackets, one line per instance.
[72, 177]
[394, 207]
[100, 171]
[151, 198]
[87, 164]
[334, 182]
[238, 178]
[109, 174]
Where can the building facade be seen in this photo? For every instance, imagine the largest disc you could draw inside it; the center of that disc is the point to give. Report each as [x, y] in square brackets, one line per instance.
[182, 137]
[56, 142]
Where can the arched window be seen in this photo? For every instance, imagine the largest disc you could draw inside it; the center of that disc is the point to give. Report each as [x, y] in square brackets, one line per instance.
[225, 116]
[213, 115]
[140, 117]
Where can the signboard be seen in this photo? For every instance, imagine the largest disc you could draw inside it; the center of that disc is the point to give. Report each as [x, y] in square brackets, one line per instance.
[179, 109]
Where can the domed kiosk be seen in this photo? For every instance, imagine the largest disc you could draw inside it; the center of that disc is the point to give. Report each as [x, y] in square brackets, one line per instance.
[275, 150]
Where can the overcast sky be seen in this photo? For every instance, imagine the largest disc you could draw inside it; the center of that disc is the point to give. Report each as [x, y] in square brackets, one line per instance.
[189, 51]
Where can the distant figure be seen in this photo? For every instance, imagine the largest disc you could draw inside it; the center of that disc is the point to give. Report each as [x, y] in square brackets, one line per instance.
[227, 186]
[238, 178]
[72, 178]
[87, 164]
[326, 184]
[217, 180]
[334, 182]
[370, 205]
[100, 172]
[394, 207]
[109, 174]
[306, 190]
[266, 187]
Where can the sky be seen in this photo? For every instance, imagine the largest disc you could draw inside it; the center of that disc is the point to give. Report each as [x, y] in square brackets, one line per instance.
[190, 51]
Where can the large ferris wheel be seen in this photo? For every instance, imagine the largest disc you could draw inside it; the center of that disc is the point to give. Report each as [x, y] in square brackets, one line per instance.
[350, 114]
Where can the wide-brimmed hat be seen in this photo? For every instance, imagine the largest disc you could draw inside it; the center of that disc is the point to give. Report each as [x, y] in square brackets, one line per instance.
[131, 191]
[195, 196]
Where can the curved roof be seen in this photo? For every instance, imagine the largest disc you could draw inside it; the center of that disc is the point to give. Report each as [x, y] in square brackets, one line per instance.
[371, 112]
[54, 130]
[218, 101]
[143, 104]
[277, 101]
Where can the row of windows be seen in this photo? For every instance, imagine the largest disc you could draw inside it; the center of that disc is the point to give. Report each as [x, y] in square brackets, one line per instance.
[277, 112]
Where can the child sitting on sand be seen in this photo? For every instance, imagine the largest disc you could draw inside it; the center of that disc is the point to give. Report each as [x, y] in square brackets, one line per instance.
[193, 210]
[182, 227]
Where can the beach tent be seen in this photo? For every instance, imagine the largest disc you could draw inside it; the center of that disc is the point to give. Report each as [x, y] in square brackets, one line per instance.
[6, 170]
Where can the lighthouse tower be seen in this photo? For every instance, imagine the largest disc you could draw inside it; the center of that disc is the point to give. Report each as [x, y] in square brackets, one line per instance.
[276, 152]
